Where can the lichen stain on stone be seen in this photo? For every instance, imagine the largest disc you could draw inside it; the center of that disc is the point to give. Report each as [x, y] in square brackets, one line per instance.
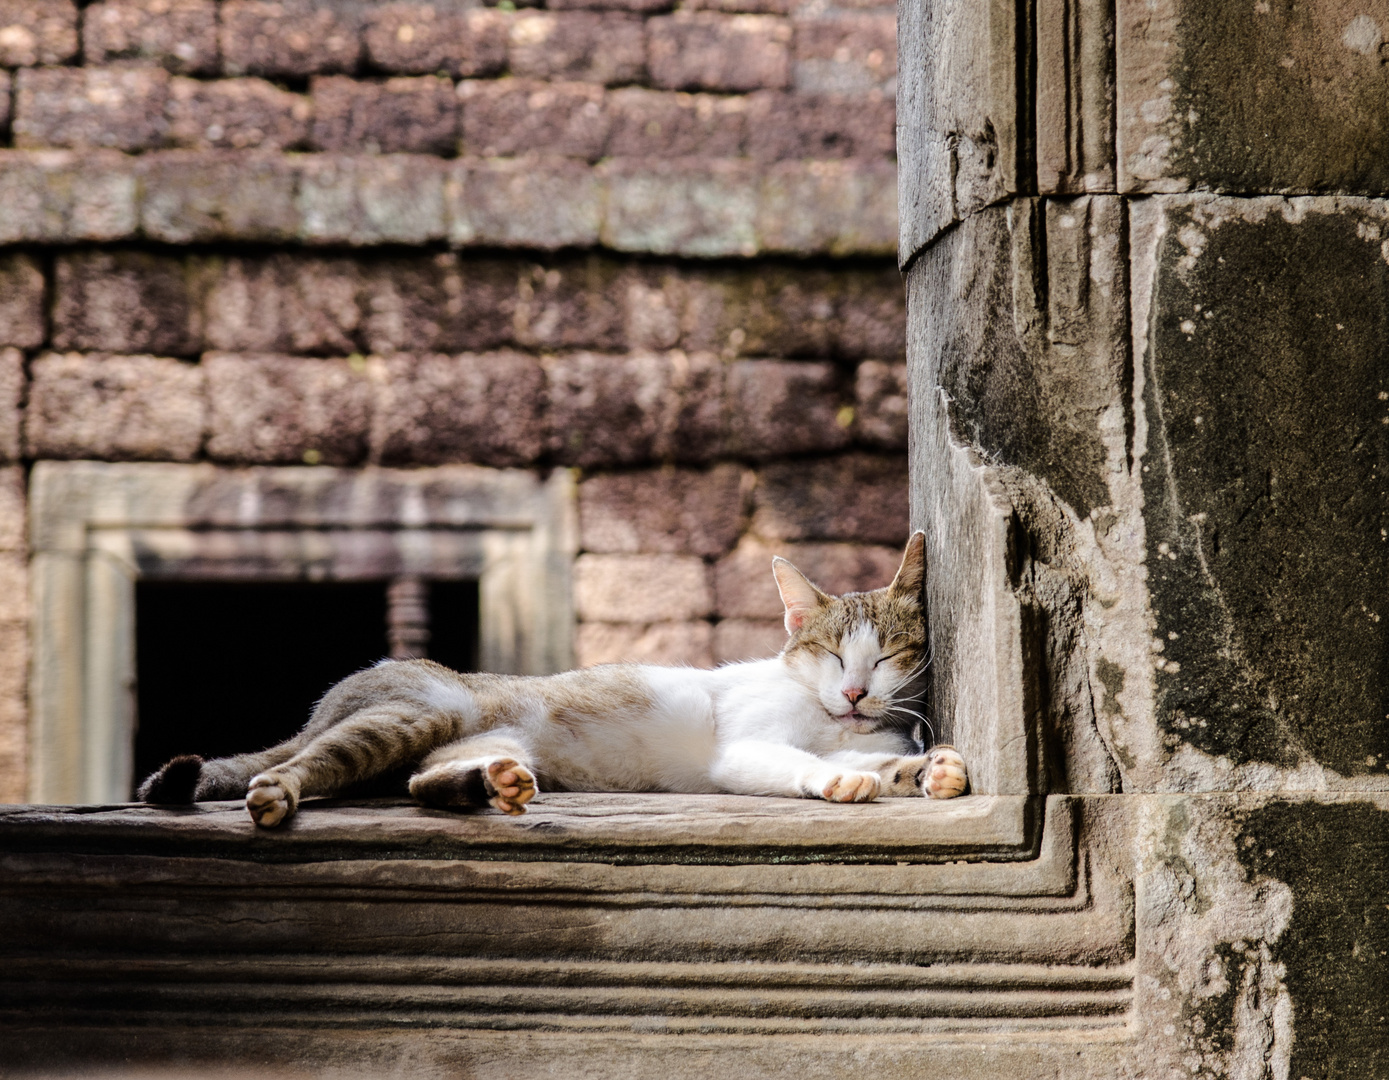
[1268, 466]
[1111, 677]
[1335, 859]
[1213, 930]
[1315, 70]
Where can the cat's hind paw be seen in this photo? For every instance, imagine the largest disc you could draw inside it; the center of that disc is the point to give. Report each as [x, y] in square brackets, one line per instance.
[270, 799]
[502, 783]
[946, 775]
[852, 787]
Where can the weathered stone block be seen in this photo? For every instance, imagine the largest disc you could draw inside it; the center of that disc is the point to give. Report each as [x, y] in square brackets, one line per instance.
[880, 405]
[684, 207]
[21, 301]
[421, 39]
[629, 410]
[180, 35]
[957, 104]
[641, 588]
[37, 32]
[871, 315]
[642, 7]
[1252, 98]
[653, 123]
[747, 639]
[284, 304]
[544, 203]
[14, 718]
[12, 386]
[781, 407]
[14, 503]
[418, 115]
[127, 302]
[292, 38]
[236, 114]
[62, 196]
[387, 199]
[507, 117]
[709, 51]
[287, 410]
[683, 643]
[769, 310]
[1266, 396]
[439, 303]
[745, 587]
[122, 108]
[486, 408]
[116, 408]
[580, 45]
[847, 53]
[837, 207]
[749, 7]
[855, 496]
[677, 511]
[571, 303]
[821, 126]
[197, 196]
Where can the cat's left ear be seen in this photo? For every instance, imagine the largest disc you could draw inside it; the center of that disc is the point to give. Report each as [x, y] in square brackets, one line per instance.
[797, 593]
[911, 575]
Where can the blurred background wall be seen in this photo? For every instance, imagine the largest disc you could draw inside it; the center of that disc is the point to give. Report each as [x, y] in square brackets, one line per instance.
[656, 245]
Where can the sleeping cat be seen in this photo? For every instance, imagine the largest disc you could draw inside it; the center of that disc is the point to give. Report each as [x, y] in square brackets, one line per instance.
[825, 719]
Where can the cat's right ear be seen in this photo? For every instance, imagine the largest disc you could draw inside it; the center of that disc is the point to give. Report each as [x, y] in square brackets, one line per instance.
[912, 573]
[802, 599]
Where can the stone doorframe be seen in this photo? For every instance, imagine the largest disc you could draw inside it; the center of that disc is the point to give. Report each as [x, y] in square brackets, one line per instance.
[96, 528]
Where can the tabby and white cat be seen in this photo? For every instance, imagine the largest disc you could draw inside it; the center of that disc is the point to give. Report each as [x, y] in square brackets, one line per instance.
[825, 719]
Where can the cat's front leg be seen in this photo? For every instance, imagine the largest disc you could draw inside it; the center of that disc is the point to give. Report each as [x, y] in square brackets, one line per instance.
[938, 774]
[757, 767]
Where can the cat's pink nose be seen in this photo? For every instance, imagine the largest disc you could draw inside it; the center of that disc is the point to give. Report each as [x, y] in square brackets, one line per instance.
[854, 693]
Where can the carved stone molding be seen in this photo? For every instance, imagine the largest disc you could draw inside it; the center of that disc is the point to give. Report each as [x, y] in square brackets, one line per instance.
[592, 914]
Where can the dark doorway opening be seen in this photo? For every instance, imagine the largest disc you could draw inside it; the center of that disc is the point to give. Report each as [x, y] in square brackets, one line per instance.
[229, 667]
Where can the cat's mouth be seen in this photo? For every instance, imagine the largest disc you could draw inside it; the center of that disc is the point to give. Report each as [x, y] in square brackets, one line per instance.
[858, 721]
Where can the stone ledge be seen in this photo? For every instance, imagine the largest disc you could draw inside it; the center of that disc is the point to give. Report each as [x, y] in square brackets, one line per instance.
[687, 207]
[588, 918]
[560, 827]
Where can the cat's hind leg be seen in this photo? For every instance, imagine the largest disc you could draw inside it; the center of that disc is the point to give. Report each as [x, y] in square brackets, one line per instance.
[189, 778]
[361, 745]
[484, 770]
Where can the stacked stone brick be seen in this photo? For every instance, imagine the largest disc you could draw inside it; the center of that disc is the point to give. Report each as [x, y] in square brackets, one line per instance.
[654, 244]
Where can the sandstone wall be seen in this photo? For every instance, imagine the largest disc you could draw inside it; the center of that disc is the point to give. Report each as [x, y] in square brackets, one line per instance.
[650, 244]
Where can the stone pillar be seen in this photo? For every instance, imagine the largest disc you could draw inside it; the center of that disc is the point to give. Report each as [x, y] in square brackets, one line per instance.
[1147, 256]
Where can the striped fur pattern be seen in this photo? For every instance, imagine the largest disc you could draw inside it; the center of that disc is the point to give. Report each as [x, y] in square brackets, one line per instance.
[828, 718]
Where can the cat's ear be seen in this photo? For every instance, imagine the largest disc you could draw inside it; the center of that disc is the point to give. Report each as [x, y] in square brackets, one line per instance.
[801, 598]
[912, 573]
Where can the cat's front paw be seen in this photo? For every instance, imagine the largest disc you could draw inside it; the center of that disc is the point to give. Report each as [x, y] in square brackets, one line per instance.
[510, 785]
[270, 799]
[852, 787]
[946, 775]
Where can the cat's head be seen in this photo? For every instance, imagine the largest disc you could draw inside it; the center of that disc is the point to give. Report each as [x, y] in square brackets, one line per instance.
[861, 654]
